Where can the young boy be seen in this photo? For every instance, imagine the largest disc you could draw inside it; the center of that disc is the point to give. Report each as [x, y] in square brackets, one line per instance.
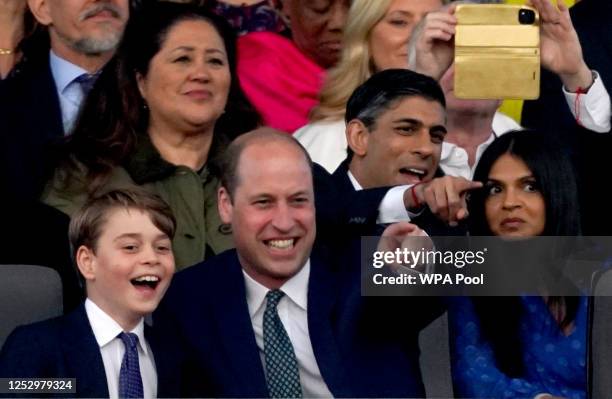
[122, 248]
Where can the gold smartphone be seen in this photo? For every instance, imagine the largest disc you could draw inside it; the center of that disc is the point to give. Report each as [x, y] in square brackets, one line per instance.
[497, 52]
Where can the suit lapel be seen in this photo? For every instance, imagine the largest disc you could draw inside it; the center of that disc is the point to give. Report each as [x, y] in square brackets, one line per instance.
[168, 380]
[236, 330]
[322, 303]
[82, 355]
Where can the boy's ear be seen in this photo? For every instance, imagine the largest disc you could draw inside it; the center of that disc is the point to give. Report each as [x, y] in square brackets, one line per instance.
[225, 205]
[357, 136]
[85, 260]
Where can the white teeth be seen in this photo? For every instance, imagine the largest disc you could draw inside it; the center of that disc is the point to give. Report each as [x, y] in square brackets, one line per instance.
[416, 171]
[147, 278]
[281, 244]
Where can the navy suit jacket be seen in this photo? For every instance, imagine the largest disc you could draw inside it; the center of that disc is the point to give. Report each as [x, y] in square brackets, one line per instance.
[65, 347]
[364, 347]
[373, 197]
[31, 119]
[343, 215]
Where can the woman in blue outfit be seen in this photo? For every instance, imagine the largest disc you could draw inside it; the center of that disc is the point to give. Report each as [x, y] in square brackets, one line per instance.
[527, 346]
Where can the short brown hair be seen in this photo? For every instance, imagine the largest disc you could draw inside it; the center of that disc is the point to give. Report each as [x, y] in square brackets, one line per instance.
[86, 224]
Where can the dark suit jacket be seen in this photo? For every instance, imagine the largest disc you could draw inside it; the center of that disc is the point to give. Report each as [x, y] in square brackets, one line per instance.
[364, 347]
[372, 198]
[65, 347]
[550, 113]
[31, 119]
[344, 215]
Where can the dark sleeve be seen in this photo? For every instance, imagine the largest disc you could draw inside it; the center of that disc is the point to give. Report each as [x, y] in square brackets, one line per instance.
[192, 380]
[25, 355]
[344, 214]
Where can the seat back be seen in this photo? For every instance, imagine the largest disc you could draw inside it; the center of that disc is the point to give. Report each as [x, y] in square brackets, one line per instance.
[27, 294]
[600, 336]
[435, 359]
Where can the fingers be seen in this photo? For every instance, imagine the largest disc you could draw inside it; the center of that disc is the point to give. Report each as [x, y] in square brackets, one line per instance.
[438, 30]
[395, 234]
[464, 185]
[548, 13]
[454, 205]
[445, 197]
[399, 229]
[566, 20]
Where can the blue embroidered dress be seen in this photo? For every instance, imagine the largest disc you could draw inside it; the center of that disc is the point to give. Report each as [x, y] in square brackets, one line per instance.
[553, 363]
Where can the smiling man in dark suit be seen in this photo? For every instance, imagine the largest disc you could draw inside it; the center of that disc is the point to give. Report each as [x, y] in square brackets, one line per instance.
[273, 318]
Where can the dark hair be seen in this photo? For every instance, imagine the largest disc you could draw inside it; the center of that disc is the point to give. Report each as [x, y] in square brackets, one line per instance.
[230, 159]
[381, 90]
[86, 225]
[114, 113]
[555, 177]
[377, 94]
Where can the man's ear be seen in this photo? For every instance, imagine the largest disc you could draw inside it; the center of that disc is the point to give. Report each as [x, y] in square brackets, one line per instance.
[357, 135]
[40, 10]
[86, 262]
[226, 208]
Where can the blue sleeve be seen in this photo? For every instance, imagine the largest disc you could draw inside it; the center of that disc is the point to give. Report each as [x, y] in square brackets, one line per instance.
[475, 373]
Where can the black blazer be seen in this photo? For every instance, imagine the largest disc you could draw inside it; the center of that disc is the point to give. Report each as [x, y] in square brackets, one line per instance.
[31, 119]
[362, 345]
[65, 347]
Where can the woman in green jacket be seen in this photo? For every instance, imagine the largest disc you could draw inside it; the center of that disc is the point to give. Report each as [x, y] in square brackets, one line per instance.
[157, 116]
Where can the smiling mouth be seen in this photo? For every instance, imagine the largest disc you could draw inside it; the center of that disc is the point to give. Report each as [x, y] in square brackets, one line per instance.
[146, 281]
[285, 244]
[416, 172]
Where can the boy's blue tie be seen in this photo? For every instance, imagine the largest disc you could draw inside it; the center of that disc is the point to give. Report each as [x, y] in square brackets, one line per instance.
[130, 381]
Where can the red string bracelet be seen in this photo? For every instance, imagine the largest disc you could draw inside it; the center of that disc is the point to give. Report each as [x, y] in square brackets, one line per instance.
[580, 91]
[415, 199]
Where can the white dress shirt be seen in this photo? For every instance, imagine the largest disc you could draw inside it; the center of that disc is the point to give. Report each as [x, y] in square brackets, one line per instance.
[454, 159]
[293, 313]
[69, 92]
[593, 107]
[105, 330]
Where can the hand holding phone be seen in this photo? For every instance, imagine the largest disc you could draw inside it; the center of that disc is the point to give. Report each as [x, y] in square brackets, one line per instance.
[497, 52]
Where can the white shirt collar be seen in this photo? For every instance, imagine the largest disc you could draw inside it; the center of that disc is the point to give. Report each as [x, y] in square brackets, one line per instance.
[296, 289]
[354, 181]
[105, 328]
[64, 72]
[448, 148]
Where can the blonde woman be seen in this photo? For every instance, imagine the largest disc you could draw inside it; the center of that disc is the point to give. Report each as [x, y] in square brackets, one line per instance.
[375, 38]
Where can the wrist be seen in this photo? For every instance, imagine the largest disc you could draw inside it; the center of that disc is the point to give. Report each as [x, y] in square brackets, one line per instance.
[413, 198]
[582, 80]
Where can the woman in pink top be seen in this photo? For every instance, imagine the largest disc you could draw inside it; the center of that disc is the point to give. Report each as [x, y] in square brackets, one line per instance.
[282, 76]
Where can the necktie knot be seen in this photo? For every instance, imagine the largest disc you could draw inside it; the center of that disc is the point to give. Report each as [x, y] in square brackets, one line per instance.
[86, 81]
[273, 297]
[130, 340]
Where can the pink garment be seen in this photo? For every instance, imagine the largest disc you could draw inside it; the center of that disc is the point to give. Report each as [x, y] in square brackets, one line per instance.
[279, 80]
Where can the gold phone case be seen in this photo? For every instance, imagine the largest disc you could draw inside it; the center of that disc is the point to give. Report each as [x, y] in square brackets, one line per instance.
[496, 57]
